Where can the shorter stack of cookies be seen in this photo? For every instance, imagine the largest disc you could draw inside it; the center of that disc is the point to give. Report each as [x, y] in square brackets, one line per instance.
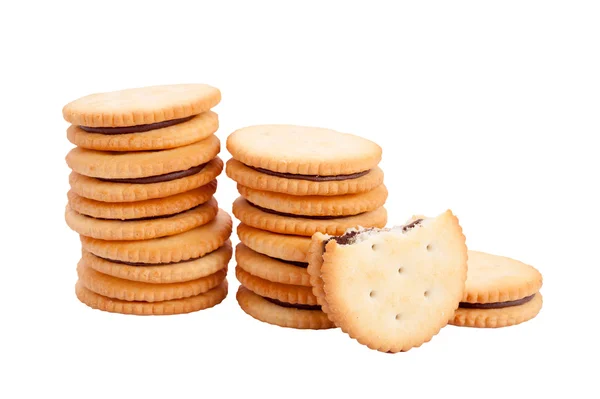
[142, 184]
[295, 181]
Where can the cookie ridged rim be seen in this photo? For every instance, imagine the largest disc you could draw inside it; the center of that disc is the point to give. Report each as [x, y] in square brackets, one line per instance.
[315, 261]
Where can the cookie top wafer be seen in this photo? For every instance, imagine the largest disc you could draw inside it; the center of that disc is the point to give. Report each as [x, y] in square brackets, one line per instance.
[394, 289]
[300, 150]
[141, 106]
[493, 279]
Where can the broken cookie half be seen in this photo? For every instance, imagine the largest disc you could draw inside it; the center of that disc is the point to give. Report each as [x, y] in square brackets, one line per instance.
[391, 289]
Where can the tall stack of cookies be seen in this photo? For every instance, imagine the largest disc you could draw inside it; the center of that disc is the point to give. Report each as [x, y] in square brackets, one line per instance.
[143, 177]
[295, 181]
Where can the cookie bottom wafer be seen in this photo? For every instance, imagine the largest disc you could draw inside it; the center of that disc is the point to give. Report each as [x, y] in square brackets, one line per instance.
[176, 306]
[501, 317]
[268, 312]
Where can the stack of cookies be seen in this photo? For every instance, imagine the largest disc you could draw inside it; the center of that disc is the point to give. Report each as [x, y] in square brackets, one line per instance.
[142, 183]
[294, 182]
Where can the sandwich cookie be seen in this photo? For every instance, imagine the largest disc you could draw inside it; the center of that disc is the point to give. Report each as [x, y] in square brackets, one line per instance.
[144, 228]
[141, 106]
[303, 153]
[175, 306]
[282, 314]
[271, 269]
[143, 189]
[144, 166]
[127, 290]
[157, 136]
[392, 289]
[499, 292]
[279, 246]
[142, 209]
[265, 219]
[292, 185]
[191, 244]
[175, 272]
[319, 206]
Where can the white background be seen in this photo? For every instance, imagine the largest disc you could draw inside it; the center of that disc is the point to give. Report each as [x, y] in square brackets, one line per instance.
[488, 108]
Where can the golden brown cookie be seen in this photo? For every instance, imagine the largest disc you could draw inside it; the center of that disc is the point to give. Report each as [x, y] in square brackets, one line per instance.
[281, 314]
[105, 191]
[127, 290]
[301, 150]
[499, 292]
[314, 205]
[175, 306]
[141, 229]
[304, 226]
[271, 269]
[196, 129]
[142, 105]
[394, 289]
[252, 178]
[280, 246]
[142, 209]
[294, 294]
[162, 274]
[189, 245]
[135, 165]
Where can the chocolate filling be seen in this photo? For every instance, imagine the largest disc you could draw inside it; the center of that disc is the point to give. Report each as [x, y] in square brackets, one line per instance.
[148, 217]
[136, 128]
[160, 178]
[291, 262]
[293, 305]
[121, 262]
[271, 211]
[350, 237]
[311, 177]
[496, 305]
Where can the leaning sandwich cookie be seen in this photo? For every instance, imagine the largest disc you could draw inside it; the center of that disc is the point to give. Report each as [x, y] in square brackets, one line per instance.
[499, 292]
